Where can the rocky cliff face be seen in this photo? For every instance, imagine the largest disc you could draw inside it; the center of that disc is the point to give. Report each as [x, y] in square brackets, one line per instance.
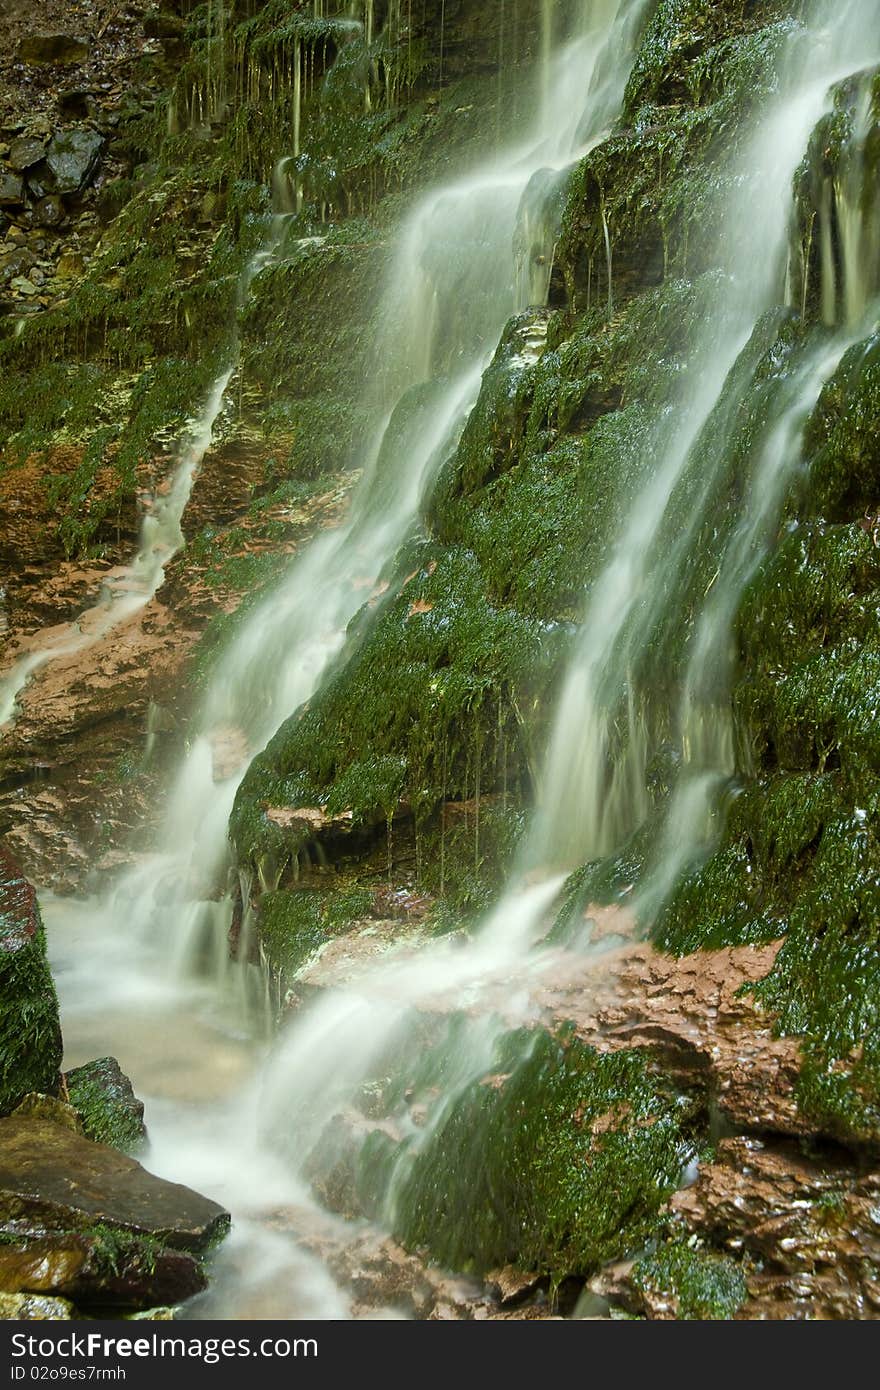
[745, 1037]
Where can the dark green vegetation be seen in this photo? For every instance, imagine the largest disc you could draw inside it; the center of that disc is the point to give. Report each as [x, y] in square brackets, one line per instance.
[110, 1113]
[30, 1033]
[557, 1160]
[119, 364]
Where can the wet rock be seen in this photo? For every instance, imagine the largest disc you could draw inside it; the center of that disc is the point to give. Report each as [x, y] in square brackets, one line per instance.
[25, 152]
[52, 48]
[696, 1019]
[808, 1225]
[105, 1269]
[111, 1112]
[11, 190]
[72, 159]
[30, 1031]
[59, 1181]
[26, 1307]
[512, 1285]
[162, 25]
[71, 265]
[17, 262]
[40, 1107]
[112, 198]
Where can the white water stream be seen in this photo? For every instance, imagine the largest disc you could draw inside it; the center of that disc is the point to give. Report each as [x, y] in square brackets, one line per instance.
[458, 273]
[209, 1127]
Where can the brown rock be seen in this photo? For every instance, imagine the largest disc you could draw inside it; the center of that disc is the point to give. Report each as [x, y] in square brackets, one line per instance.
[56, 1180]
[93, 1271]
[809, 1227]
[689, 1016]
[52, 48]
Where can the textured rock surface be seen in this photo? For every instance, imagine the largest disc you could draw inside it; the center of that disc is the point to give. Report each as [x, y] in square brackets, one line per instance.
[105, 1270]
[52, 1178]
[109, 1110]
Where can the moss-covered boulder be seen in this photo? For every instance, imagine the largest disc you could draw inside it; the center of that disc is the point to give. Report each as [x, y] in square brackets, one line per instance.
[30, 1029]
[103, 1097]
[551, 1158]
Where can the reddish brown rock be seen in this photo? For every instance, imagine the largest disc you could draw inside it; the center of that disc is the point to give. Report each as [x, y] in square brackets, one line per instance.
[808, 1227]
[690, 1017]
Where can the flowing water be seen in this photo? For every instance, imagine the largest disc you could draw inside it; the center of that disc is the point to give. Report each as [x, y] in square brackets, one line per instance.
[128, 589]
[238, 1118]
[462, 265]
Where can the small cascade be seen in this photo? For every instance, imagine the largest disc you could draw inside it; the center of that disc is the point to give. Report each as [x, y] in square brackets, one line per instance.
[452, 288]
[594, 789]
[706, 732]
[857, 201]
[129, 589]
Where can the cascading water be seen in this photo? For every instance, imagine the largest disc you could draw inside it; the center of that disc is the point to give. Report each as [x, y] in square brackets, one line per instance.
[456, 279]
[593, 789]
[127, 590]
[453, 286]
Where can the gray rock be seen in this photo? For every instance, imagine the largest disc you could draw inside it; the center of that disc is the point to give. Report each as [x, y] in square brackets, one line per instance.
[11, 190]
[25, 152]
[48, 211]
[72, 159]
[56, 1180]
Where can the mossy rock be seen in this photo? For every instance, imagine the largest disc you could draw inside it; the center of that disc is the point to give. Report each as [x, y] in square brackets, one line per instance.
[557, 1160]
[690, 1283]
[110, 1111]
[30, 1029]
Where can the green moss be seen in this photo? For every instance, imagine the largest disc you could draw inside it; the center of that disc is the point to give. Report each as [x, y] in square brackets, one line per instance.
[293, 925]
[30, 1032]
[841, 439]
[698, 1283]
[424, 708]
[109, 1112]
[657, 185]
[116, 1252]
[557, 1160]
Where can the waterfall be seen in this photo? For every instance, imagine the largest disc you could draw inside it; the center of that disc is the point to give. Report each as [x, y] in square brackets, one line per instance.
[593, 788]
[470, 254]
[593, 785]
[453, 285]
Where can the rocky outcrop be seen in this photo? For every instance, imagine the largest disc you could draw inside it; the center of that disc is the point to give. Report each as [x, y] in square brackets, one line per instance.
[53, 1179]
[81, 1221]
[30, 1030]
